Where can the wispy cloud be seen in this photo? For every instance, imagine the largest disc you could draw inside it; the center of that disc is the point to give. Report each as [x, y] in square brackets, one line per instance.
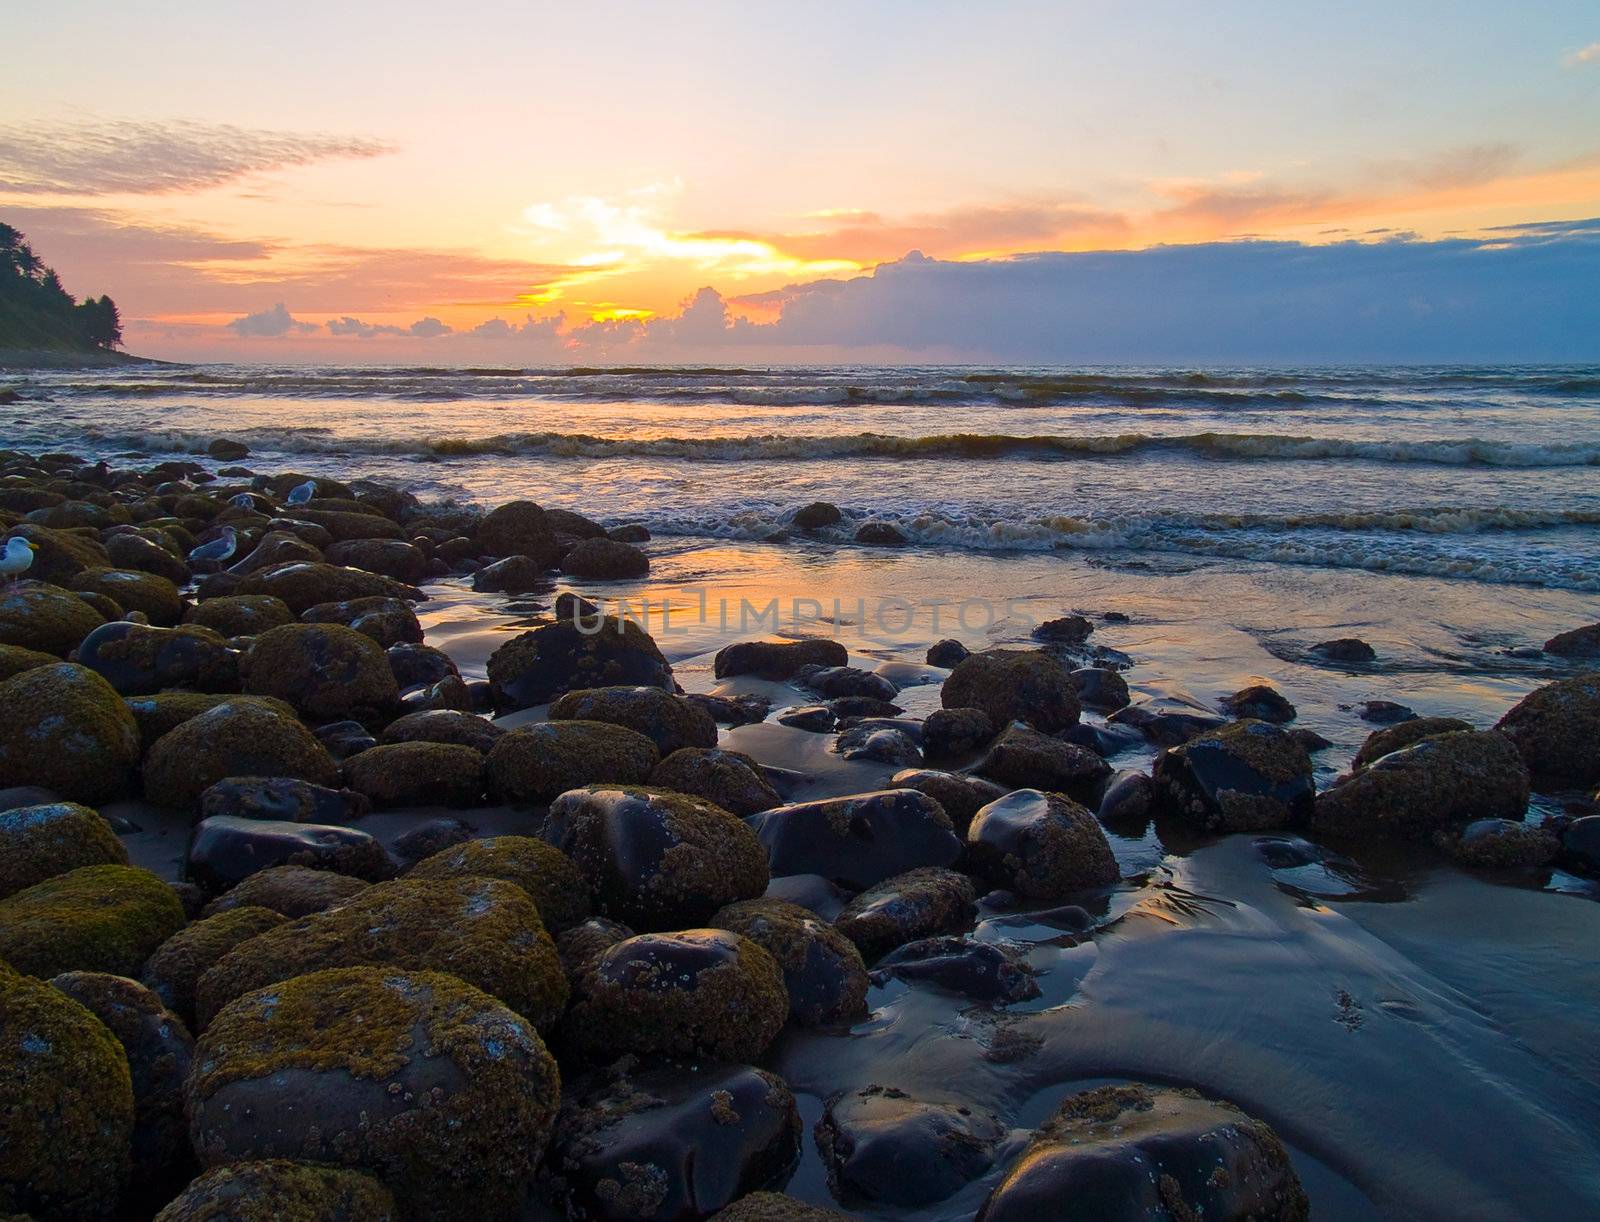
[116, 157]
[1583, 55]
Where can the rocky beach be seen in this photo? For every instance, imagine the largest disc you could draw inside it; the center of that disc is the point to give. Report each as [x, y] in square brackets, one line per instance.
[366, 854]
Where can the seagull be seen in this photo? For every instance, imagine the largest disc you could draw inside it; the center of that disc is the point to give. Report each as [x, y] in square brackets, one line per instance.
[219, 549]
[243, 501]
[17, 558]
[302, 494]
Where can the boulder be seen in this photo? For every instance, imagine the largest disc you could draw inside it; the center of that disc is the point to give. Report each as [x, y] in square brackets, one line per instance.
[240, 614]
[555, 885]
[954, 734]
[224, 851]
[40, 842]
[174, 968]
[917, 904]
[268, 1190]
[776, 660]
[1248, 776]
[987, 972]
[14, 659]
[388, 621]
[64, 728]
[881, 534]
[418, 774]
[1100, 688]
[1023, 758]
[553, 659]
[165, 711]
[105, 918]
[292, 891]
[858, 840]
[823, 972]
[389, 557]
[1042, 846]
[1391, 738]
[519, 528]
[947, 653]
[1166, 723]
[1068, 630]
[776, 1207]
[1577, 643]
[59, 555]
[444, 726]
[669, 721]
[959, 794]
[139, 660]
[727, 779]
[513, 575]
[537, 763]
[1345, 649]
[605, 560]
[155, 596]
[816, 515]
[1556, 729]
[324, 670]
[832, 682]
[883, 1148]
[1501, 844]
[304, 584]
[281, 798]
[279, 546]
[45, 618]
[1026, 685]
[1127, 799]
[236, 738]
[1260, 702]
[134, 552]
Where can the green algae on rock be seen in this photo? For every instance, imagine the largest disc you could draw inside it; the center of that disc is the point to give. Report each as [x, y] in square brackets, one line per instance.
[1248, 776]
[40, 842]
[323, 670]
[823, 972]
[14, 659]
[417, 774]
[139, 660]
[278, 1190]
[1556, 729]
[105, 918]
[441, 1092]
[555, 658]
[240, 614]
[166, 711]
[1026, 685]
[539, 762]
[174, 968]
[776, 1207]
[65, 729]
[302, 584]
[66, 1105]
[157, 597]
[729, 779]
[292, 890]
[666, 719]
[556, 886]
[1402, 734]
[917, 904]
[240, 737]
[39, 616]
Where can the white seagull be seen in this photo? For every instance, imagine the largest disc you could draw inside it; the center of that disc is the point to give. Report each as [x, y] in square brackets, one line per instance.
[17, 558]
[218, 549]
[302, 494]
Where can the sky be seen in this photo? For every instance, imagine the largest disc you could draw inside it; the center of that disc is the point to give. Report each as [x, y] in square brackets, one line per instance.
[875, 181]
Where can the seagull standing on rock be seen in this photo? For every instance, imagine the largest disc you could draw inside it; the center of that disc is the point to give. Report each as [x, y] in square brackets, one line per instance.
[302, 494]
[17, 558]
[219, 549]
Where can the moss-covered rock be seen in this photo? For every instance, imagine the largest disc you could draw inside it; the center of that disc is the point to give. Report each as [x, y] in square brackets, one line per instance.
[293, 891]
[605, 560]
[960, 794]
[302, 584]
[917, 904]
[45, 618]
[441, 1092]
[175, 967]
[1248, 776]
[1023, 758]
[444, 726]
[166, 711]
[695, 993]
[323, 670]
[537, 763]
[235, 738]
[1500, 844]
[157, 597]
[1556, 729]
[483, 930]
[281, 798]
[390, 557]
[65, 728]
[388, 621]
[728, 779]
[417, 774]
[777, 660]
[131, 550]
[669, 721]
[1402, 734]
[139, 660]
[14, 659]
[40, 842]
[775, 1207]
[278, 1190]
[66, 1105]
[882, 1147]
[240, 614]
[519, 528]
[556, 886]
[60, 554]
[1042, 846]
[1027, 685]
[656, 860]
[282, 545]
[823, 972]
[104, 918]
[1434, 784]
[553, 659]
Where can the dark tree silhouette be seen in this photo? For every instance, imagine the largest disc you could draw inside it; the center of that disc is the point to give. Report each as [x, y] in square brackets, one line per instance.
[36, 311]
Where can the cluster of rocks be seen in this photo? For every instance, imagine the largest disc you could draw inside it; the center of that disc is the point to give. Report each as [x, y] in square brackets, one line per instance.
[317, 1023]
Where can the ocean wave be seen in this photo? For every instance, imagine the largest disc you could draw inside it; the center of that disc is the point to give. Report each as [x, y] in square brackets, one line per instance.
[1252, 447]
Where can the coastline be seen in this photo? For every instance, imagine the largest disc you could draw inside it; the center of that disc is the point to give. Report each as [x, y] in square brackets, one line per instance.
[22, 360]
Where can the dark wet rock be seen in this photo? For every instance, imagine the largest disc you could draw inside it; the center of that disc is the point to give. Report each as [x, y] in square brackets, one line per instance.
[815, 516]
[556, 886]
[553, 659]
[269, 1190]
[1100, 688]
[727, 779]
[105, 918]
[629, 532]
[445, 1095]
[959, 794]
[157, 597]
[159, 1049]
[240, 615]
[809, 891]
[732, 710]
[1068, 630]
[345, 738]
[882, 1147]
[1023, 758]
[140, 661]
[66, 729]
[881, 534]
[539, 762]
[175, 967]
[1577, 643]
[1043, 846]
[1501, 844]
[585, 942]
[1009, 685]
[224, 449]
[323, 670]
[292, 890]
[673, 1141]
[141, 555]
[947, 653]
[1285, 852]
[879, 742]
[1418, 790]
[570, 606]
[1580, 845]
[1104, 741]
[482, 930]
[389, 557]
[813, 718]
[954, 733]
[1345, 649]
[669, 721]
[656, 860]
[1556, 729]
[1383, 712]
[1309, 739]
[513, 575]
[428, 838]
[858, 840]
[444, 726]
[695, 993]
[777, 660]
[346, 525]
[274, 548]
[823, 972]
[605, 560]
[1127, 798]
[305, 584]
[917, 904]
[775, 1207]
[419, 665]
[1143, 1152]
[284, 798]
[1165, 724]
[236, 738]
[38, 842]
[1248, 776]
[519, 528]
[1259, 702]
[66, 1127]
[1402, 734]
[863, 706]
[836, 681]
[418, 774]
[224, 851]
[978, 971]
[388, 621]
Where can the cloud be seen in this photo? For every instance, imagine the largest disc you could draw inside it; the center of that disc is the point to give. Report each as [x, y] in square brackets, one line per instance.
[276, 321]
[362, 330]
[111, 157]
[429, 328]
[1583, 55]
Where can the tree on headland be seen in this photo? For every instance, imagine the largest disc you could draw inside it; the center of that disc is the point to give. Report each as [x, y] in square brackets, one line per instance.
[36, 311]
